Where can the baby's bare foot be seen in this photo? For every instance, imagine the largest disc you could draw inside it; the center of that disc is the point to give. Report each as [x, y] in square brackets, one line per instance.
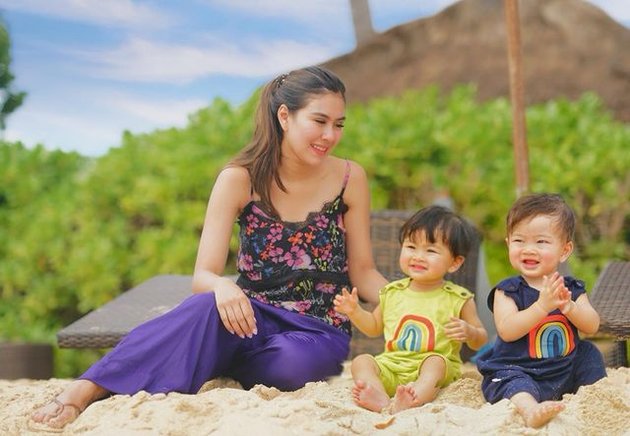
[405, 398]
[369, 397]
[542, 413]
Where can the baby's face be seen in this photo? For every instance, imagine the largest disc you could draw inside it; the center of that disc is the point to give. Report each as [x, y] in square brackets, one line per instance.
[536, 247]
[426, 262]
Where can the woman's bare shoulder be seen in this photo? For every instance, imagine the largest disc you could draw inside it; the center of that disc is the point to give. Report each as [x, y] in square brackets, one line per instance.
[357, 177]
[356, 170]
[233, 184]
[234, 174]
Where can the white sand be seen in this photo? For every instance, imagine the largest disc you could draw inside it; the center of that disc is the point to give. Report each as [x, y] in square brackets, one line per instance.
[222, 407]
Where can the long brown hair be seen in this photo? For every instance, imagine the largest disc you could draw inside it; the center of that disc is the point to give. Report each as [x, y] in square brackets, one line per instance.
[261, 157]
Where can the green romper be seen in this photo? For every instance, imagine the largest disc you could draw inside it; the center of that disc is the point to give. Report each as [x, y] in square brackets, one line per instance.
[413, 328]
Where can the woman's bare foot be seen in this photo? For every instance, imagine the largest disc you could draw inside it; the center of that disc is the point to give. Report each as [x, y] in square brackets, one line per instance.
[542, 413]
[69, 404]
[369, 397]
[405, 398]
[56, 414]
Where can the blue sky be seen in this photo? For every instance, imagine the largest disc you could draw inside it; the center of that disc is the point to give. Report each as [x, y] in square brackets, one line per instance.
[94, 68]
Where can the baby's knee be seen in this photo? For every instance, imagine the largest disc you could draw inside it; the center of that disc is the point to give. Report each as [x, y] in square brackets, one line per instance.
[434, 369]
[502, 385]
[363, 361]
[589, 353]
[589, 365]
[434, 363]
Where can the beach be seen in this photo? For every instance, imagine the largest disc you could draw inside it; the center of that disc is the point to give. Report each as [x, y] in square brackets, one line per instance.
[321, 408]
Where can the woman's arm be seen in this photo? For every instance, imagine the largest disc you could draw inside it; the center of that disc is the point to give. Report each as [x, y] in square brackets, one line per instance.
[229, 195]
[225, 203]
[362, 270]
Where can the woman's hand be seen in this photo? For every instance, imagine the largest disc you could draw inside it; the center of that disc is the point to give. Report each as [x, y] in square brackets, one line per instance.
[235, 309]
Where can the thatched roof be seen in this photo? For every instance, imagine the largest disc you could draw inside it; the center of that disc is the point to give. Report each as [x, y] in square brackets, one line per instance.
[569, 47]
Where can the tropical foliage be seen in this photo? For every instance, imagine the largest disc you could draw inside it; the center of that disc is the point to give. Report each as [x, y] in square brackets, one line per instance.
[10, 100]
[75, 232]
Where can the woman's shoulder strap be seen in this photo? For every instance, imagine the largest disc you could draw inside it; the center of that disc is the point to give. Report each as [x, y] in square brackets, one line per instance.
[346, 177]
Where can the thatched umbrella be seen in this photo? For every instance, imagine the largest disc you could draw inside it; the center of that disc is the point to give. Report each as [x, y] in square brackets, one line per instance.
[364, 32]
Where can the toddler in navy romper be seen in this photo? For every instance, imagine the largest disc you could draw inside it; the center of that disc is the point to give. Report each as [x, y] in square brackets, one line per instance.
[538, 355]
[548, 362]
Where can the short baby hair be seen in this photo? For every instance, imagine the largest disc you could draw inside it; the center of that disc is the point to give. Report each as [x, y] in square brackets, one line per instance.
[439, 222]
[533, 205]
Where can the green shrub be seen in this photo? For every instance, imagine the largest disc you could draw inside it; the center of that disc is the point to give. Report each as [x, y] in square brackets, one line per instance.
[75, 232]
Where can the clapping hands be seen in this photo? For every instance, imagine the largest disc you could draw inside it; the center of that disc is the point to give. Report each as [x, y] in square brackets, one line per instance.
[554, 294]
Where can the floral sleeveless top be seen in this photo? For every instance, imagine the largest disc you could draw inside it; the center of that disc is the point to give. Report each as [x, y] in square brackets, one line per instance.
[297, 266]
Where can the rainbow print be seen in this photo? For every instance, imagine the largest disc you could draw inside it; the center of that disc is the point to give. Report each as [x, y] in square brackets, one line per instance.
[413, 333]
[552, 337]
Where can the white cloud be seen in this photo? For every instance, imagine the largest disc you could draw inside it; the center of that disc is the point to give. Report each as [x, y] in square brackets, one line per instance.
[92, 129]
[85, 134]
[109, 13]
[150, 61]
[158, 112]
[618, 9]
[403, 5]
[302, 11]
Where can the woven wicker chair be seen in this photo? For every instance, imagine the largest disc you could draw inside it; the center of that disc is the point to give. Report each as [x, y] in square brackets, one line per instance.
[107, 325]
[611, 298]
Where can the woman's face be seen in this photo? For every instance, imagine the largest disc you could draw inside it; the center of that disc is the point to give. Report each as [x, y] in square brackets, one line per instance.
[311, 133]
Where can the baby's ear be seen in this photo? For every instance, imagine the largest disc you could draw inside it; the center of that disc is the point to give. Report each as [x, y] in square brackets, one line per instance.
[457, 262]
[566, 251]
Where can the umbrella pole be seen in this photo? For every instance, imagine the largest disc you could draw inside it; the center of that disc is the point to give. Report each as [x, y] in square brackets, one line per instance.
[515, 63]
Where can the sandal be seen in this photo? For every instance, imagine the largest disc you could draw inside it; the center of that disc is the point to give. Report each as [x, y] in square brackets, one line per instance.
[60, 409]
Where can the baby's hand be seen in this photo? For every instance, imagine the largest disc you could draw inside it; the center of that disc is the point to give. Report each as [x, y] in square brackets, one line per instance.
[458, 330]
[554, 293]
[346, 302]
[565, 296]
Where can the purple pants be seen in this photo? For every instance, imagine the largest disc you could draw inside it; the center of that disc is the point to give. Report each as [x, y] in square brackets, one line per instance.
[182, 349]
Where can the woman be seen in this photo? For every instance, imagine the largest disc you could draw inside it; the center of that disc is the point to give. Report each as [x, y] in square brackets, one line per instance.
[304, 235]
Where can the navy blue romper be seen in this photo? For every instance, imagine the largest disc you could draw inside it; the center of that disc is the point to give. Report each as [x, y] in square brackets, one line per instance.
[548, 362]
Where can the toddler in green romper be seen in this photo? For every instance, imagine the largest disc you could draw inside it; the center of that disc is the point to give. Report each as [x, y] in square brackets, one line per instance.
[424, 318]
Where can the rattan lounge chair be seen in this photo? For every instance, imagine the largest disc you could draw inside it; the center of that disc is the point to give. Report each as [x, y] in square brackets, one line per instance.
[611, 298]
[107, 325]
